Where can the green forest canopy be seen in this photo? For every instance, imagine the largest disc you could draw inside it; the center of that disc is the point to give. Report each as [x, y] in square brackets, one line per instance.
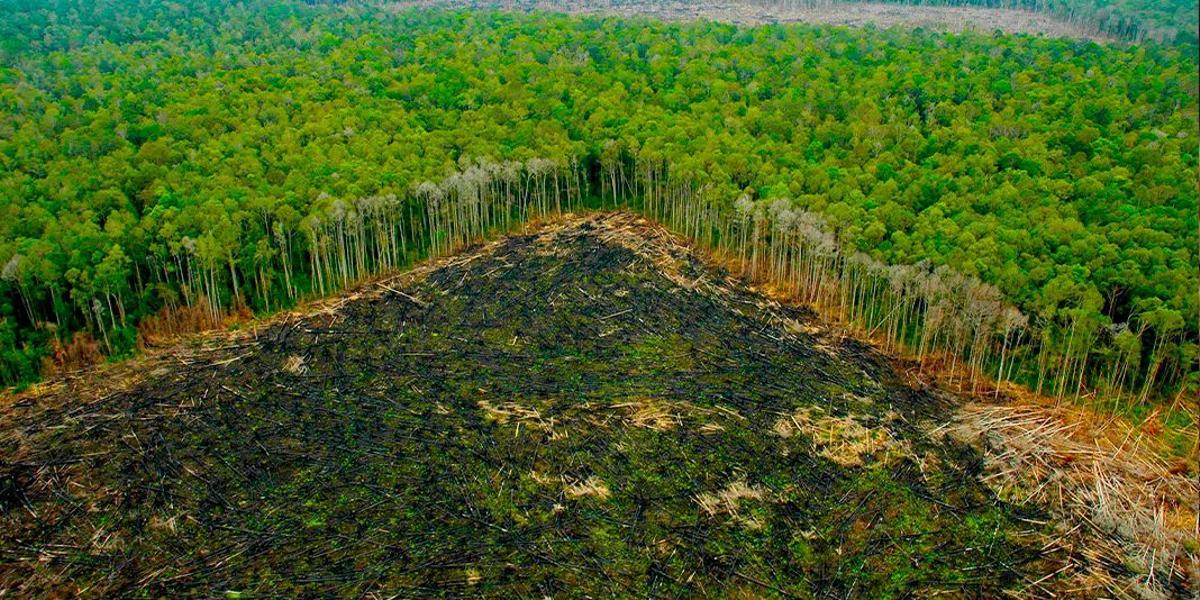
[132, 141]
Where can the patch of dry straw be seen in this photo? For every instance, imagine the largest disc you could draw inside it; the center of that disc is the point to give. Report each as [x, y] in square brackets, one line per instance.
[1136, 510]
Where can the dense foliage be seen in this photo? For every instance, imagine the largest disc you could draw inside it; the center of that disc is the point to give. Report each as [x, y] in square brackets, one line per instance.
[223, 154]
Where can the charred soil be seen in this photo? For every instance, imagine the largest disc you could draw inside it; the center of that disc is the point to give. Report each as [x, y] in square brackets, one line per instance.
[582, 409]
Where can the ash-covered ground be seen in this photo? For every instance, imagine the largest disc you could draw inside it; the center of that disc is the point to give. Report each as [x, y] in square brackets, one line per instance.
[583, 410]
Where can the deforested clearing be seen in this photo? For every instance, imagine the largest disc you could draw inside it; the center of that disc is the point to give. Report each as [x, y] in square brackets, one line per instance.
[585, 408]
[934, 16]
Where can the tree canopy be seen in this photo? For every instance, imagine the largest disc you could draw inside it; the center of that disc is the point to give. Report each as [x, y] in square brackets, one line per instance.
[253, 153]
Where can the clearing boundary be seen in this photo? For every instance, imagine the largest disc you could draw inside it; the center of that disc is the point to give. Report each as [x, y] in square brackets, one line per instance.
[853, 14]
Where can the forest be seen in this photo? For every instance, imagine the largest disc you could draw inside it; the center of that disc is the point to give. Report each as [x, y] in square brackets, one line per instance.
[1024, 206]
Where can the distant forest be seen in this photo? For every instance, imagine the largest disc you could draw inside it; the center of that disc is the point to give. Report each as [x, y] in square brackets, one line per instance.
[1027, 205]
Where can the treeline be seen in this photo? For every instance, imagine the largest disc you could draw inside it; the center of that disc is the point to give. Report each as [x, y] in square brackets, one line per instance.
[191, 170]
[925, 309]
[1173, 21]
[341, 242]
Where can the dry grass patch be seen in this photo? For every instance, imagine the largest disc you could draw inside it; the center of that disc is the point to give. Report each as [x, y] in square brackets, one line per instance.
[649, 414]
[663, 415]
[529, 418]
[574, 488]
[294, 364]
[727, 501]
[1141, 510]
[541, 478]
[591, 487]
[843, 440]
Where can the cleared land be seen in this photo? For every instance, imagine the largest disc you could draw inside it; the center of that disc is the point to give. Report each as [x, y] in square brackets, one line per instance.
[856, 14]
[583, 409]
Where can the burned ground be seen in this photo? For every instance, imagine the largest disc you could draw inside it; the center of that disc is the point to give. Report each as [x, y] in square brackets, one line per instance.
[585, 409]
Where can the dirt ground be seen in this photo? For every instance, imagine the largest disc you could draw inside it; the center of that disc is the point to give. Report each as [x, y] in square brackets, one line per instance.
[585, 409]
[854, 14]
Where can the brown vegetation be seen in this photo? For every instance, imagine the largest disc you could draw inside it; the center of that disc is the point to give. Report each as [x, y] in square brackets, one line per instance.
[845, 440]
[171, 322]
[853, 14]
[727, 500]
[1130, 506]
[81, 352]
